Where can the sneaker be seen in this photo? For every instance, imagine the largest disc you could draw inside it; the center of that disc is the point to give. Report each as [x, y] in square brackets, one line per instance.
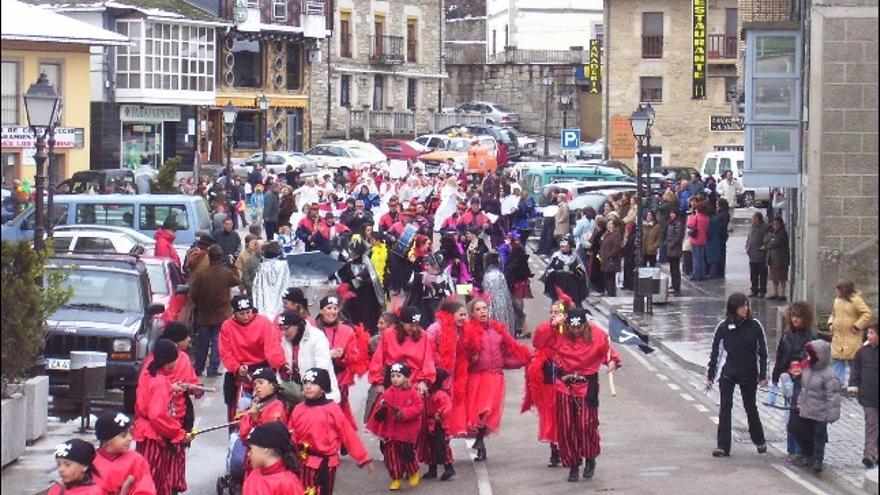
[414, 479]
[395, 485]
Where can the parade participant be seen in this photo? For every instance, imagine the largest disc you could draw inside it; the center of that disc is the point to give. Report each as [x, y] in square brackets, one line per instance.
[319, 428]
[540, 391]
[489, 349]
[274, 462]
[518, 276]
[429, 285]
[397, 422]
[476, 251]
[438, 407]
[333, 237]
[565, 272]
[115, 462]
[474, 218]
[75, 459]
[378, 254]
[392, 216]
[348, 353]
[501, 306]
[404, 344]
[295, 300]
[445, 335]
[577, 354]
[368, 299]
[307, 229]
[266, 407]
[305, 347]
[165, 236]
[273, 278]
[455, 258]
[247, 341]
[285, 238]
[158, 430]
[401, 238]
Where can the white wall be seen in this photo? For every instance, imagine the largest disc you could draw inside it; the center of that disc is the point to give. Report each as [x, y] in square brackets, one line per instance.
[542, 24]
[97, 69]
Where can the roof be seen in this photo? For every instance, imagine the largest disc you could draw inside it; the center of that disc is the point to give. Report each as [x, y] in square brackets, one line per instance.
[154, 9]
[23, 22]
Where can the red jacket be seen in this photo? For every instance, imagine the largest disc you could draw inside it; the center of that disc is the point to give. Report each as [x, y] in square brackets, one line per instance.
[273, 480]
[250, 344]
[417, 355]
[78, 489]
[155, 413]
[387, 221]
[490, 348]
[112, 471]
[403, 428]
[438, 406]
[701, 223]
[182, 372]
[578, 355]
[165, 246]
[538, 394]
[321, 430]
[342, 336]
[271, 410]
[469, 219]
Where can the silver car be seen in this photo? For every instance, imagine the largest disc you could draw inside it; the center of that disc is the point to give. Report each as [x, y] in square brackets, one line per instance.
[495, 113]
[277, 162]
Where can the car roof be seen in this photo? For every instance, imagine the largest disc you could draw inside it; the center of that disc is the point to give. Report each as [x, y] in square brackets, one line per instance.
[117, 261]
[127, 198]
[79, 227]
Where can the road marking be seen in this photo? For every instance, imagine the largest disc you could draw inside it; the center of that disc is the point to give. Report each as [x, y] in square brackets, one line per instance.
[640, 359]
[662, 377]
[701, 408]
[799, 480]
[713, 419]
[687, 397]
[674, 386]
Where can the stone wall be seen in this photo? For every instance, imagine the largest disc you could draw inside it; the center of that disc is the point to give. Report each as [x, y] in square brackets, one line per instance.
[465, 40]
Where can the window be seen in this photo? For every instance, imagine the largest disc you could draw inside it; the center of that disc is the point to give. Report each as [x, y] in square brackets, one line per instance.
[11, 93]
[97, 244]
[651, 89]
[599, 33]
[247, 129]
[729, 88]
[165, 56]
[104, 214]
[345, 90]
[506, 35]
[153, 216]
[494, 43]
[279, 10]
[248, 68]
[652, 35]
[412, 40]
[158, 282]
[378, 92]
[412, 93]
[294, 66]
[345, 34]
[379, 31]
[61, 244]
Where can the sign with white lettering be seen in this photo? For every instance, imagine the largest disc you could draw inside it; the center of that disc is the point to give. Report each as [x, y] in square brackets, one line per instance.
[699, 58]
[138, 113]
[726, 123]
[22, 137]
[594, 70]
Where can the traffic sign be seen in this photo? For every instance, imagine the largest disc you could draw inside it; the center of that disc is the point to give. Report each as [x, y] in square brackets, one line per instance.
[570, 139]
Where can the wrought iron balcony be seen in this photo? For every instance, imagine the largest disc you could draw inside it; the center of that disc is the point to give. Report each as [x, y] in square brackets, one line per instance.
[652, 46]
[386, 49]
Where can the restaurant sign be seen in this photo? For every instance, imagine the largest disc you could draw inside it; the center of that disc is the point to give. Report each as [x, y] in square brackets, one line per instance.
[699, 56]
[726, 123]
[23, 137]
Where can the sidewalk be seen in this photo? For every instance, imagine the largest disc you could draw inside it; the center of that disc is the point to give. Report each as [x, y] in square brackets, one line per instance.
[35, 470]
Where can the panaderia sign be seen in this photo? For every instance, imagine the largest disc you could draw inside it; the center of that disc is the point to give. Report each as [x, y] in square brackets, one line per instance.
[594, 70]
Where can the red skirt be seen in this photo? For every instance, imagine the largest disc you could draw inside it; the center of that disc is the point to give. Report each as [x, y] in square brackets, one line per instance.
[309, 477]
[168, 469]
[485, 401]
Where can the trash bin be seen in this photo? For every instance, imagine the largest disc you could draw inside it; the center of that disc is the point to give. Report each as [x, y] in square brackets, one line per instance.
[662, 297]
[88, 375]
[649, 280]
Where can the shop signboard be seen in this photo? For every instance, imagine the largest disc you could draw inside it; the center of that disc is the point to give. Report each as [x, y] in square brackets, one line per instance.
[139, 113]
[23, 137]
[594, 71]
[622, 143]
[698, 70]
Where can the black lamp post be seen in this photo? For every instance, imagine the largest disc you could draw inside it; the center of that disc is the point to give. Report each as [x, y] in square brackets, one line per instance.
[264, 107]
[641, 120]
[547, 81]
[229, 115]
[50, 206]
[41, 103]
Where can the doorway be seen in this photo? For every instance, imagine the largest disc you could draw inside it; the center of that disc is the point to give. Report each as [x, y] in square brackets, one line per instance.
[295, 129]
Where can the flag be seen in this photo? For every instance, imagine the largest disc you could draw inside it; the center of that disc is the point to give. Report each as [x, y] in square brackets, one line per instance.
[621, 333]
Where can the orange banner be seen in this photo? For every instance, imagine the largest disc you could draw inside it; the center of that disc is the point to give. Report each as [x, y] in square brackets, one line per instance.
[622, 143]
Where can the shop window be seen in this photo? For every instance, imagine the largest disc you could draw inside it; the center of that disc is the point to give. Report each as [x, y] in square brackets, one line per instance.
[11, 92]
[651, 89]
[345, 90]
[175, 57]
[154, 216]
[279, 10]
[294, 66]
[141, 143]
[247, 130]
[248, 68]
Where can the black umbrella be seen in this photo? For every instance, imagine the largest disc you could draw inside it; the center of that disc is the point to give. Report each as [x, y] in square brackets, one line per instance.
[313, 264]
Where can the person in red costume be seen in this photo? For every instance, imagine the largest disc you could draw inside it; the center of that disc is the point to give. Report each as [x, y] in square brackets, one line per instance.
[474, 217]
[319, 429]
[404, 344]
[540, 391]
[438, 406]
[397, 421]
[265, 408]
[247, 341]
[183, 374]
[74, 458]
[578, 353]
[393, 215]
[274, 462]
[116, 465]
[489, 349]
[165, 236]
[348, 353]
[158, 429]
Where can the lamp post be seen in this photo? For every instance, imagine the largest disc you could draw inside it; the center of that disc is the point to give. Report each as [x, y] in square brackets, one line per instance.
[229, 115]
[41, 103]
[50, 206]
[264, 107]
[641, 120]
[547, 81]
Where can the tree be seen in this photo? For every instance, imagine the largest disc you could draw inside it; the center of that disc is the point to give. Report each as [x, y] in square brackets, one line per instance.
[165, 182]
[26, 306]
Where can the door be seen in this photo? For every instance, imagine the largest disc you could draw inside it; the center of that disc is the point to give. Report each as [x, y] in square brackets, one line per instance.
[295, 130]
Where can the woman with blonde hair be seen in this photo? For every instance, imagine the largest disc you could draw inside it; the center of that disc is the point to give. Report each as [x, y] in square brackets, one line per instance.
[848, 321]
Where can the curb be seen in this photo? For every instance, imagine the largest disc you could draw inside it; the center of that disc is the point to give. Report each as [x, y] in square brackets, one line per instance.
[870, 484]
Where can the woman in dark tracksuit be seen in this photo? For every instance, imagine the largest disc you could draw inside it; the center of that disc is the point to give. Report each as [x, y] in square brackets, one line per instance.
[740, 349]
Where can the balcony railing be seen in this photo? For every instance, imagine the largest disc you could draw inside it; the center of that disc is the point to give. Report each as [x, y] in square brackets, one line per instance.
[652, 46]
[763, 11]
[523, 56]
[382, 122]
[386, 49]
[345, 45]
[721, 46]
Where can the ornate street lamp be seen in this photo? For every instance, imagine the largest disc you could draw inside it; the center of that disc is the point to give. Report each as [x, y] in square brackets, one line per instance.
[41, 103]
[229, 115]
[264, 107]
[547, 82]
[641, 120]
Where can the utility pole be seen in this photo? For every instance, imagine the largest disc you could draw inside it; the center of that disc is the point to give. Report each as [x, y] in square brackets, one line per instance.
[548, 84]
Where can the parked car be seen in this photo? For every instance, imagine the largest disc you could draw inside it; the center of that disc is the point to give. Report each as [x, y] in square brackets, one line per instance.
[276, 163]
[594, 150]
[167, 287]
[536, 177]
[344, 155]
[527, 145]
[501, 134]
[401, 149]
[97, 181]
[101, 239]
[716, 163]
[672, 175]
[579, 188]
[110, 311]
[596, 198]
[433, 142]
[454, 149]
[495, 113]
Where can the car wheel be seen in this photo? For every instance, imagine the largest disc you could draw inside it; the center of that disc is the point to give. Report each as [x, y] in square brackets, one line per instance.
[129, 395]
[748, 199]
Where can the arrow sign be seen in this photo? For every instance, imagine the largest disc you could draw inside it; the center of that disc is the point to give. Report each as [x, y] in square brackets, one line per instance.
[570, 139]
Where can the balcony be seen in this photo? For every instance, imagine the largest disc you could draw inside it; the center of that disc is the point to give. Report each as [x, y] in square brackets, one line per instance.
[652, 46]
[386, 49]
[721, 46]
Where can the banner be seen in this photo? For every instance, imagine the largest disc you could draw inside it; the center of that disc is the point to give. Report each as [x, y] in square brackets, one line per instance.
[23, 137]
[594, 70]
[699, 59]
[621, 333]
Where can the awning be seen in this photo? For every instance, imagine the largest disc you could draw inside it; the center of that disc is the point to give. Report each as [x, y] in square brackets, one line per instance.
[250, 101]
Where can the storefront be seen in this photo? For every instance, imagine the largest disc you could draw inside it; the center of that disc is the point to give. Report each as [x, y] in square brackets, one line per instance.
[18, 150]
[143, 133]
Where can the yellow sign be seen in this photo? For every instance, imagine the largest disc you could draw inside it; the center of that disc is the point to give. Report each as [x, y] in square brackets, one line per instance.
[699, 56]
[594, 71]
[622, 143]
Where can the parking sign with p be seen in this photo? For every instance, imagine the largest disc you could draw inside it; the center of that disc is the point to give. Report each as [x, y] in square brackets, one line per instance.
[571, 139]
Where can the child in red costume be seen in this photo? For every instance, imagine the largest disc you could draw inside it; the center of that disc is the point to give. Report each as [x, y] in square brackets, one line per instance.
[397, 421]
[157, 426]
[74, 458]
[266, 407]
[436, 450]
[446, 334]
[319, 429]
[116, 464]
[274, 462]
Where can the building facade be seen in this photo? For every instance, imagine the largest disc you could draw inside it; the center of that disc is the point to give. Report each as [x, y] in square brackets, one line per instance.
[384, 57]
[37, 41]
[541, 24]
[650, 52]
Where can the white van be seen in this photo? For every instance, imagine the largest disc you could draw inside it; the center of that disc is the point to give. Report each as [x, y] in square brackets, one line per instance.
[716, 163]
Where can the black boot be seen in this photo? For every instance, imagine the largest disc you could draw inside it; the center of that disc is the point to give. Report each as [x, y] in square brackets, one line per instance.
[480, 446]
[554, 456]
[448, 472]
[573, 474]
[432, 472]
[589, 468]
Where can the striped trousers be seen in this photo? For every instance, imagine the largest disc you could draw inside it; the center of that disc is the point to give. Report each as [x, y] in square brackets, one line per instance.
[168, 469]
[578, 429]
[309, 477]
[396, 460]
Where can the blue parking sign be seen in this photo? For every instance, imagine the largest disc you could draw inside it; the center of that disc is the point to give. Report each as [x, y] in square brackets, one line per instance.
[570, 139]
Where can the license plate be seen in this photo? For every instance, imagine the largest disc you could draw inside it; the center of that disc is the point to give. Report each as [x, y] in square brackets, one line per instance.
[58, 364]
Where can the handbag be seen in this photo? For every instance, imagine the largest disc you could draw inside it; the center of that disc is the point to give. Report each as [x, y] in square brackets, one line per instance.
[692, 232]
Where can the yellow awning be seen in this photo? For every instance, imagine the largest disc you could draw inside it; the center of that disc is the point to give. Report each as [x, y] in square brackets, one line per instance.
[242, 101]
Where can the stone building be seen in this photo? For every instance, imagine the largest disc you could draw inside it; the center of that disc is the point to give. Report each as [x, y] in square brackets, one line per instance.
[384, 57]
[649, 55]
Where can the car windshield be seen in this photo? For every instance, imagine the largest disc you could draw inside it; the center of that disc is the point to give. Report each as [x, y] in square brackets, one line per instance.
[202, 215]
[104, 290]
[458, 145]
[158, 284]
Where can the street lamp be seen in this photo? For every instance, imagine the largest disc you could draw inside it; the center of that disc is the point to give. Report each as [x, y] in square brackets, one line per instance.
[547, 81]
[41, 103]
[53, 171]
[229, 115]
[641, 120]
[264, 106]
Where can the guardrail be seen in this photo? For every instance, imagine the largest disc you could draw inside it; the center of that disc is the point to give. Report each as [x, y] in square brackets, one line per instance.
[522, 56]
[444, 120]
[381, 121]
